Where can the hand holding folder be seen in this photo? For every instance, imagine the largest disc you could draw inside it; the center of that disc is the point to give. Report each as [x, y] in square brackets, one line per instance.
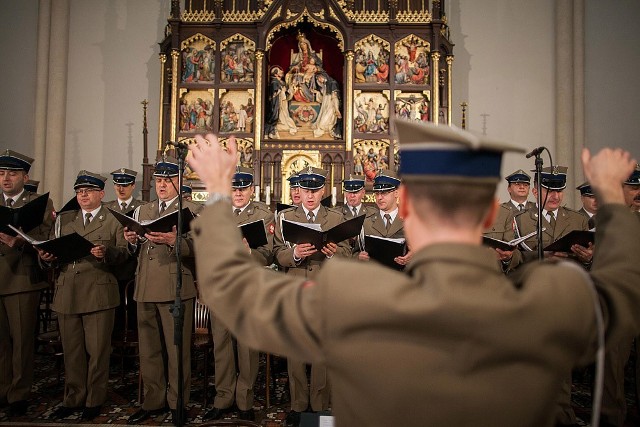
[506, 246]
[164, 224]
[66, 249]
[254, 233]
[300, 232]
[575, 237]
[26, 217]
[385, 250]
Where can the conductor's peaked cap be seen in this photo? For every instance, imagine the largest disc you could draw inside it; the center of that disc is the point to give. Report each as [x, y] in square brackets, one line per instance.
[430, 152]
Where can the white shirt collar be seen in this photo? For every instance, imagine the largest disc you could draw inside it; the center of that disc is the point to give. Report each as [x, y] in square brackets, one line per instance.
[315, 211]
[392, 214]
[167, 202]
[14, 198]
[233, 208]
[126, 202]
[516, 204]
[93, 213]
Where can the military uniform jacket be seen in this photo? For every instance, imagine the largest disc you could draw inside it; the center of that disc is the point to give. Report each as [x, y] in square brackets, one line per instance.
[283, 251]
[115, 205]
[254, 212]
[348, 214]
[89, 285]
[374, 226]
[364, 210]
[451, 339]
[502, 227]
[127, 271]
[19, 267]
[156, 276]
[526, 222]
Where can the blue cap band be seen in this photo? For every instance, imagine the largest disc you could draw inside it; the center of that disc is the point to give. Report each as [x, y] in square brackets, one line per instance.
[166, 169]
[241, 180]
[88, 181]
[453, 163]
[124, 179]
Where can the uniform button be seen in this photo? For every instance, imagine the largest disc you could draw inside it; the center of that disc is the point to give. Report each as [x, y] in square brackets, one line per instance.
[77, 272]
[150, 258]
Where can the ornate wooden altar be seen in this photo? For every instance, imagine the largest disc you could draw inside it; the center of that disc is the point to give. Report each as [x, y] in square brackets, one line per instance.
[303, 82]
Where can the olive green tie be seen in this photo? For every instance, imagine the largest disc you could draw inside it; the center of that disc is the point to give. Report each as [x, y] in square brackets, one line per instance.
[387, 218]
[9, 202]
[552, 220]
[237, 212]
[87, 219]
[311, 217]
[163, 207]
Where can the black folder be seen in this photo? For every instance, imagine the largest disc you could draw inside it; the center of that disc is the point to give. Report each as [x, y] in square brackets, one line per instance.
[254, 233]
[326, 202]
[71, 205]
[384, 250]
[26, 217]
[164, 224]
[575, 237]
[296, 232]
[282, 206]
[497, 243]
[66, 249]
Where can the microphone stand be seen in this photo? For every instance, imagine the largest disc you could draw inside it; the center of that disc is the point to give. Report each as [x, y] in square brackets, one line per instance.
[177, 309]
[538, 164]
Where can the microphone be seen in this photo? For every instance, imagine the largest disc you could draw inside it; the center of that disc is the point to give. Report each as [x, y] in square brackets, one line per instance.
[177, 144]
[535, 152]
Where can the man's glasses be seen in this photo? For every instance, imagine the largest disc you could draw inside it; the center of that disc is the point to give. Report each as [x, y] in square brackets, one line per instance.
[84, 191]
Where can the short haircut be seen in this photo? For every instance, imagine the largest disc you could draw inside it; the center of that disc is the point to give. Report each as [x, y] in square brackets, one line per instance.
[456, 203]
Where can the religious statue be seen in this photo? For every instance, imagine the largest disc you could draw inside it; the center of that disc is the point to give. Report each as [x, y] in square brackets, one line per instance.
[277, 112]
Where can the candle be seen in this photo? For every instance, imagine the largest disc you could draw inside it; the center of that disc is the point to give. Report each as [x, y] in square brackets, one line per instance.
[267, 194]
[256, 194]
[334, 191]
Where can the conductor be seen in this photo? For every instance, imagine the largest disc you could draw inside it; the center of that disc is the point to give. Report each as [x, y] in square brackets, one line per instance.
[451, 341]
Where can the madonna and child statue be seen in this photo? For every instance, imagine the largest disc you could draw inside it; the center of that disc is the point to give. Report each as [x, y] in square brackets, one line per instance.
[304, 102]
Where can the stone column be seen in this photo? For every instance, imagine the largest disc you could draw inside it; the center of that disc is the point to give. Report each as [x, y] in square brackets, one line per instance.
[42, 83]
[570, 91]
[55, 97]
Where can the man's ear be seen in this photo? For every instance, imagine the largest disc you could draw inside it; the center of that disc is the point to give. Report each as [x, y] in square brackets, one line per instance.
[491, 215]
[403, 202]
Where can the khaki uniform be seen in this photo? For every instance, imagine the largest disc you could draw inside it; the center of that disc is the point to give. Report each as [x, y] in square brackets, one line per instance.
[229, 386]
[451, 340]
[526, 222]
[19, 300]
[156, 279]
[502, 227]
[614, 403]
[125, 273]
[374, 226]
[347, 213]
[85, 298]
[115, 205]
[567, 220]
[308, 268]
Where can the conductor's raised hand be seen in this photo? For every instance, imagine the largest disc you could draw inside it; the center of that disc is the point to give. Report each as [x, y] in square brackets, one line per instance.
[606, 171]
[212, 163]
